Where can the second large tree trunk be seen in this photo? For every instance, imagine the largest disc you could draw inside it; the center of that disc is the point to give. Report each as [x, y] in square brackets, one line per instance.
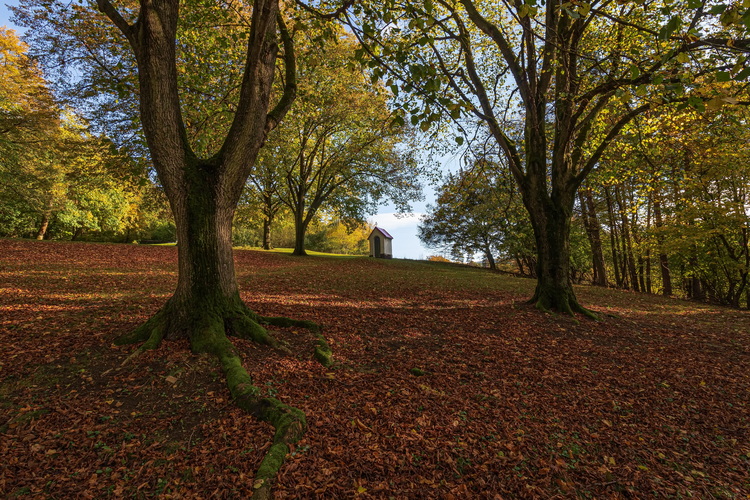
[551, 223]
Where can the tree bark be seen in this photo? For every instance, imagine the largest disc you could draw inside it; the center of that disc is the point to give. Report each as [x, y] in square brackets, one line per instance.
[77, 233]
[267, 233]
[300, 229]
[490, 259]
[629, 259]
[614, 243]
[666, 277]
[203, 195]
[551, 223]
[45, 221]
[591, 221]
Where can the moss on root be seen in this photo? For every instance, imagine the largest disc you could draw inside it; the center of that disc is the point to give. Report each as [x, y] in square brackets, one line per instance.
[146, 331]
[323, 353]
[207, 331]
[289, 422]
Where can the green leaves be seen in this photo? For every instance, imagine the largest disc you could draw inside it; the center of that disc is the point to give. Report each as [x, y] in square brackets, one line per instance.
[668, 30]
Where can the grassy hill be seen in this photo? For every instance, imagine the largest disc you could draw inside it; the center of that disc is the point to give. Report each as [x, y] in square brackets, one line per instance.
[445, 385]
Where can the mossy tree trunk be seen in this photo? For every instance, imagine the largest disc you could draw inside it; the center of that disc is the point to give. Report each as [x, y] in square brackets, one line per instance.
[551, 219]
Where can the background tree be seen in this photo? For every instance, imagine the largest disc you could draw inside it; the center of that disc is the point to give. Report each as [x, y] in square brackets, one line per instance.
[337, 149]
[479, 211]
[676, 189]
[54, 173]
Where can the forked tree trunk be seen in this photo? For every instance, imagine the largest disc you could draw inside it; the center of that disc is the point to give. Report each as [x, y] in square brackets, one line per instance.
[203, 195]
[206, 304]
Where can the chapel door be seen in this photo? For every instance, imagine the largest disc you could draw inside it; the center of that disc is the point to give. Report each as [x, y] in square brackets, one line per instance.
[377, 246]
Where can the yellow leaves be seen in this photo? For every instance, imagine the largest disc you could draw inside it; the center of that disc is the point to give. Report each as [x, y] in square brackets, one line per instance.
[527, 10]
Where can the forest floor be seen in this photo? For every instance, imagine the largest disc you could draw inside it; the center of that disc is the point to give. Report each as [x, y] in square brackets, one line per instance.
[652, 401]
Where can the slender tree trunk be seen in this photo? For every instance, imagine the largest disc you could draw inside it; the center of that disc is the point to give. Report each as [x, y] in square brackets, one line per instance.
[594, 234]
[531, 266]
[597, 240]
[45, 221]
[642, 273]
[490, 259]
[267, 233]
[77, 233]
[613, 237]
[627, 240]
[666, 277]
[695, 291]
[648, 246]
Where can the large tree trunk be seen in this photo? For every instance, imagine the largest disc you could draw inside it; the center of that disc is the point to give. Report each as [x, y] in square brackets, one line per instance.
[206, 304]
[300, 229]
[551, 223]
[203, 195]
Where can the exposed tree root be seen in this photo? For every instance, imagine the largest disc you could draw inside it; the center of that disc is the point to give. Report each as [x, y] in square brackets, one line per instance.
[323, 353]
[144, 332]
[289, 422]
[207, 332]
[157, 334]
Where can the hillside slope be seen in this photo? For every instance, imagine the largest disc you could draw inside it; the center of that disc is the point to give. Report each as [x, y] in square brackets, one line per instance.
[445, 385]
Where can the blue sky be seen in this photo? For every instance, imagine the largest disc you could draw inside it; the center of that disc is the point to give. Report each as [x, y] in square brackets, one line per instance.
[5, 16]
[403, 227]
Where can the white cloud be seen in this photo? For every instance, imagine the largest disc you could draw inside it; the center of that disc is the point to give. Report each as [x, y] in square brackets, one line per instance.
[394, 221]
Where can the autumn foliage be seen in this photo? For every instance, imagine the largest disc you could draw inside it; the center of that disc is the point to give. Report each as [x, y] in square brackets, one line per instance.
[444, 385]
